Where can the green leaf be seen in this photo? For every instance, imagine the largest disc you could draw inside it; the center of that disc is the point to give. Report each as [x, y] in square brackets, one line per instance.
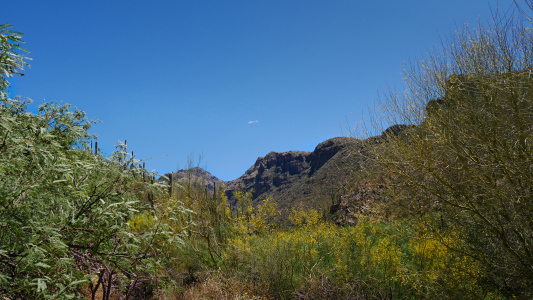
[41, 285]
[42, 265]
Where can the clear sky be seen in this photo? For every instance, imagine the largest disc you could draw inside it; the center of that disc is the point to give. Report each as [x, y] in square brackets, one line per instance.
[232, 80]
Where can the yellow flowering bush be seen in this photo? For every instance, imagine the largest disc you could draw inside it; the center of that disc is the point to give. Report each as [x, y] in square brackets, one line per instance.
[435, 263]
[379, 256]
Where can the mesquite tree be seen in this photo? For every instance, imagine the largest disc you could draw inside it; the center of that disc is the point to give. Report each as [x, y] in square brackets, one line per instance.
[64, 211]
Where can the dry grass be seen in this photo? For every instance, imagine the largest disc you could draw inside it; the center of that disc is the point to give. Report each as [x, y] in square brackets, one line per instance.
[218, 286]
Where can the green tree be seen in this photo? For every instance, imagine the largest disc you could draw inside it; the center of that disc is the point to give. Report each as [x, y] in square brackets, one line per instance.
[467, 161]
[64, 211]
[12, 61]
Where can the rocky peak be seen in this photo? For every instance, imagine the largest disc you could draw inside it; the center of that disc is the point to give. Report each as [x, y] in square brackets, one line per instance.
[279, 171]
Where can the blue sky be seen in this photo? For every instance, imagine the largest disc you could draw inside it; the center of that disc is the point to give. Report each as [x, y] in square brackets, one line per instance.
[229, 80]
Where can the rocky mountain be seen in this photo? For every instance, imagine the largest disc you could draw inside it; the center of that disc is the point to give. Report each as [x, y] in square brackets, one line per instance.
[195, 175]
[316, 179]
[330, 178]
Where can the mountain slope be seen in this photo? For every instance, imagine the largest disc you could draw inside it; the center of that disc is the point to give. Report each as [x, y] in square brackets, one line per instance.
[316, 179]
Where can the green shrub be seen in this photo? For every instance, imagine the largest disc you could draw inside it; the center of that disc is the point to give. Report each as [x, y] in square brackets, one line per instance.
[64, 211]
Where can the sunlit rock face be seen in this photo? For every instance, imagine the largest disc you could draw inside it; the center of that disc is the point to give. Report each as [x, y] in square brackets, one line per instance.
[296, 175]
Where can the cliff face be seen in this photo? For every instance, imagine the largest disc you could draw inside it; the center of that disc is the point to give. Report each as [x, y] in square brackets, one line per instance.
[273, 170]
[298, 176]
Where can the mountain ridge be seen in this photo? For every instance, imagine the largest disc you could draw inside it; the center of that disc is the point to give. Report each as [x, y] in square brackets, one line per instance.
[316, 178]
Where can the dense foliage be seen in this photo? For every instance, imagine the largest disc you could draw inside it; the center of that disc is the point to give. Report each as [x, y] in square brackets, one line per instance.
[63, 209]
[467, 159]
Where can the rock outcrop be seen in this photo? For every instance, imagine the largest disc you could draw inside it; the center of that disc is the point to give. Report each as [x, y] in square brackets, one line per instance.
[360, 199]
[309, 177]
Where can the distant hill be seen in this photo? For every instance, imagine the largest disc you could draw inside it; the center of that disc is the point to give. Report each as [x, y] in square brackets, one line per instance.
[196, 175]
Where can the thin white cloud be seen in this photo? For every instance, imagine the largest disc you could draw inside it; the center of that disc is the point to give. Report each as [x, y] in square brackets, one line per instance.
[252, 122]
